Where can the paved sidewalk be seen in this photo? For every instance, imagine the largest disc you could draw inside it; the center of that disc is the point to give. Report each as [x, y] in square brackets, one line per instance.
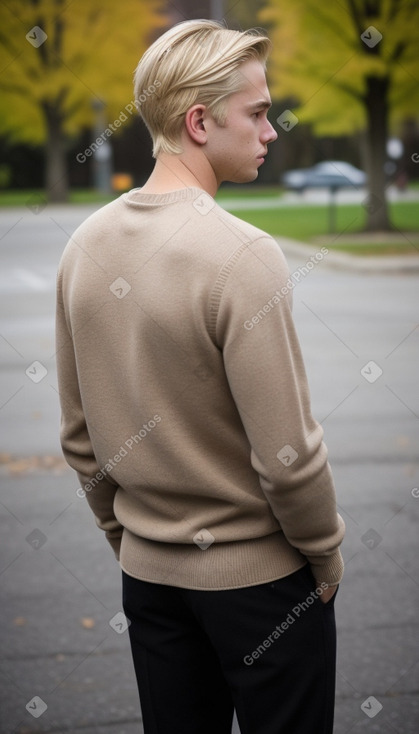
[64, 647]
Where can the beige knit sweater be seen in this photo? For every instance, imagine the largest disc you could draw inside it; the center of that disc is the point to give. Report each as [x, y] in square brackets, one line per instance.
[185, 406]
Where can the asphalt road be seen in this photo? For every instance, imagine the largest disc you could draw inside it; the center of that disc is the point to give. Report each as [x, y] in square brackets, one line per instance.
[65, 664]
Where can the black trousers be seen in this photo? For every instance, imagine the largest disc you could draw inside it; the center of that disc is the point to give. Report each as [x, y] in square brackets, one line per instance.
[269, 651]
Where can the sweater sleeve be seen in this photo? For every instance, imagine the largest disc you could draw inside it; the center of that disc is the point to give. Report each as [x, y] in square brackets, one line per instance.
[265, 371]
[77, 448]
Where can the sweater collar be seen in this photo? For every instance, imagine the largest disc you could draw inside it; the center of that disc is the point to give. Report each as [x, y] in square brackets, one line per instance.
[136, 199]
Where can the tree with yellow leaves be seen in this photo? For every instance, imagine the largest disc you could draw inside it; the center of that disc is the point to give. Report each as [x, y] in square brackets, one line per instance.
[59, 61]
[351, 65]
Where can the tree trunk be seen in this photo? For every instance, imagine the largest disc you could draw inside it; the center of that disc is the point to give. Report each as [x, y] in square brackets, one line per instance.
[376, 104]
[56, 174]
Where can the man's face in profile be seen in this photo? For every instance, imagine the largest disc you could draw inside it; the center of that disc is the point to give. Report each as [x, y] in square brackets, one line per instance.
[237, 149]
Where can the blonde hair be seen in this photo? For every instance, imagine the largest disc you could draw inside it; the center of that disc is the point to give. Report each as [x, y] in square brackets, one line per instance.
[196, 61]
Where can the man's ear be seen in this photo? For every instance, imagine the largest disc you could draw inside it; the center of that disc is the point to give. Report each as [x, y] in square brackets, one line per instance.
[195, 123]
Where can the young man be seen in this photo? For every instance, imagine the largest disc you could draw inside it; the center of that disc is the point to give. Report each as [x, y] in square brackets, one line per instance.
[186, 413]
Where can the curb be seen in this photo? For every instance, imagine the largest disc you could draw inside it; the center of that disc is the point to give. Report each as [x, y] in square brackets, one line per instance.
[385, 264]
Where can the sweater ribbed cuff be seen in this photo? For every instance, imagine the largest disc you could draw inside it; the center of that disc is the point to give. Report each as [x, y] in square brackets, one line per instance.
[327, 569]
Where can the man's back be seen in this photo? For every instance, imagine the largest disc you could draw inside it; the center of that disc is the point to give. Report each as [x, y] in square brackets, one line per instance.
[156, 297]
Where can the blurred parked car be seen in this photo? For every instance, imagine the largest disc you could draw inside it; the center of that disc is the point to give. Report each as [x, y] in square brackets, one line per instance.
[328, 174]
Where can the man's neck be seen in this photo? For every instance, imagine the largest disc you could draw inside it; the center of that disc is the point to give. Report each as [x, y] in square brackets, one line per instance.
[173, 172]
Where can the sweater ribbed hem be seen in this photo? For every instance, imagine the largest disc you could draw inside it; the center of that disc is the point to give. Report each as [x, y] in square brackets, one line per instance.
[221, 566]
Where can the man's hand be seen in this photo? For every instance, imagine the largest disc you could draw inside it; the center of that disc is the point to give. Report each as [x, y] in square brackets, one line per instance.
[328, 593]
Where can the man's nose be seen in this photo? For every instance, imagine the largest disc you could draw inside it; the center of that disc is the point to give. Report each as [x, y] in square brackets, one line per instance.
[270, 134]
